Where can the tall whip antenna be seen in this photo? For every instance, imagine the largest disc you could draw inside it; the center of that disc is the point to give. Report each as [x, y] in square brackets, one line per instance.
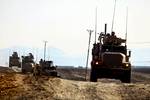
[95, 23]
[113, 16]
[126, 26]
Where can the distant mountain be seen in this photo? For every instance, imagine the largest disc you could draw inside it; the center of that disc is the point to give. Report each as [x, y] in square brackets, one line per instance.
[139, 56]
[55, 54]
[4, 55]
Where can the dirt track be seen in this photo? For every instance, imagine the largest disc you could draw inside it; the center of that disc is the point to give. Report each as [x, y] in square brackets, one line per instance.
[19, 86]
[138, 76]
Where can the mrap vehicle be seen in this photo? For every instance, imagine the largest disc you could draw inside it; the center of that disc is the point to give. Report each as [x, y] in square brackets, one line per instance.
[28, 63]
[47, 68]
[14, 60]
[110, 58]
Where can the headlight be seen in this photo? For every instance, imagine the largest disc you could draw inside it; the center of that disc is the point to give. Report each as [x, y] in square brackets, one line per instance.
[127, 65]
[96, 63]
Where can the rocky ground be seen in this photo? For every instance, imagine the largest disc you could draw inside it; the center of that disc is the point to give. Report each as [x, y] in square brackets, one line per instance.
[71, 86]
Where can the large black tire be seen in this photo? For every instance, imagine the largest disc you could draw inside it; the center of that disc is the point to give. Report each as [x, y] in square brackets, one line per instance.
[93, 76]
[23, 71]
[53, 73]
[126, 77]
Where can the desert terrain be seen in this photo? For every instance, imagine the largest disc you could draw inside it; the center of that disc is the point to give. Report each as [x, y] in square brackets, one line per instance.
[72, 86]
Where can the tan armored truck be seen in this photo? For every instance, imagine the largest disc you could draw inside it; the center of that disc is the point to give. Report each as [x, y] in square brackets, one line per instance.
[14, 60]
[27, 63]
[110, 58]
[48, 68]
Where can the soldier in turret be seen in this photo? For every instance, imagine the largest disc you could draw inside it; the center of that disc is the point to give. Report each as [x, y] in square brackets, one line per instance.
[113, 38]
[107, 39]
[110, 39]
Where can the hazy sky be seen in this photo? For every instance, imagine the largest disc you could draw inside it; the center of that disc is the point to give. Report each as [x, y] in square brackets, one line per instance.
[63, 23]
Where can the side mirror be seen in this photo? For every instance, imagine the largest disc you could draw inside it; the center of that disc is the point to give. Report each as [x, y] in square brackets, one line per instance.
[129, 53]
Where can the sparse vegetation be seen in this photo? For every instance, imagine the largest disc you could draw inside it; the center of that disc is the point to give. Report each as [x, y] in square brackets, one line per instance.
[26, 87]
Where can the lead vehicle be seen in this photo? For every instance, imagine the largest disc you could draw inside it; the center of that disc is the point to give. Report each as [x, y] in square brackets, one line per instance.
[110, 58]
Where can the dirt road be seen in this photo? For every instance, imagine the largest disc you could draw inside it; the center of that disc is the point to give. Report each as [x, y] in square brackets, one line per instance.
[16, 86]
[138, 76]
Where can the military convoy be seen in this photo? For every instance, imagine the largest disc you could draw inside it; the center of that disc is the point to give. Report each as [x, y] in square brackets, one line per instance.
[110, 58]
[29, 65]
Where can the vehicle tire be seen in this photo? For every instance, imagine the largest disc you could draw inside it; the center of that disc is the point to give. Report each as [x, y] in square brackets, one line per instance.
[23, 71]
[126, 77]
[93, 76]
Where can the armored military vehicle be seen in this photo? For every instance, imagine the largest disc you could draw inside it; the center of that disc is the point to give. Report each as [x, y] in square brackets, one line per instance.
[14, 60]
[27, 63]
[110, 58]
[48, 68]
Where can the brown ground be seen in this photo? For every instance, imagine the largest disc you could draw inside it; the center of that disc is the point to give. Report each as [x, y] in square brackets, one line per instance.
[139, 75]
[19, 86]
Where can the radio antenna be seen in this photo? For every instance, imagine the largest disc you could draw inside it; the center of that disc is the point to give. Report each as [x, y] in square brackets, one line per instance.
[113, 16]
[126, 26]
[95, 23]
